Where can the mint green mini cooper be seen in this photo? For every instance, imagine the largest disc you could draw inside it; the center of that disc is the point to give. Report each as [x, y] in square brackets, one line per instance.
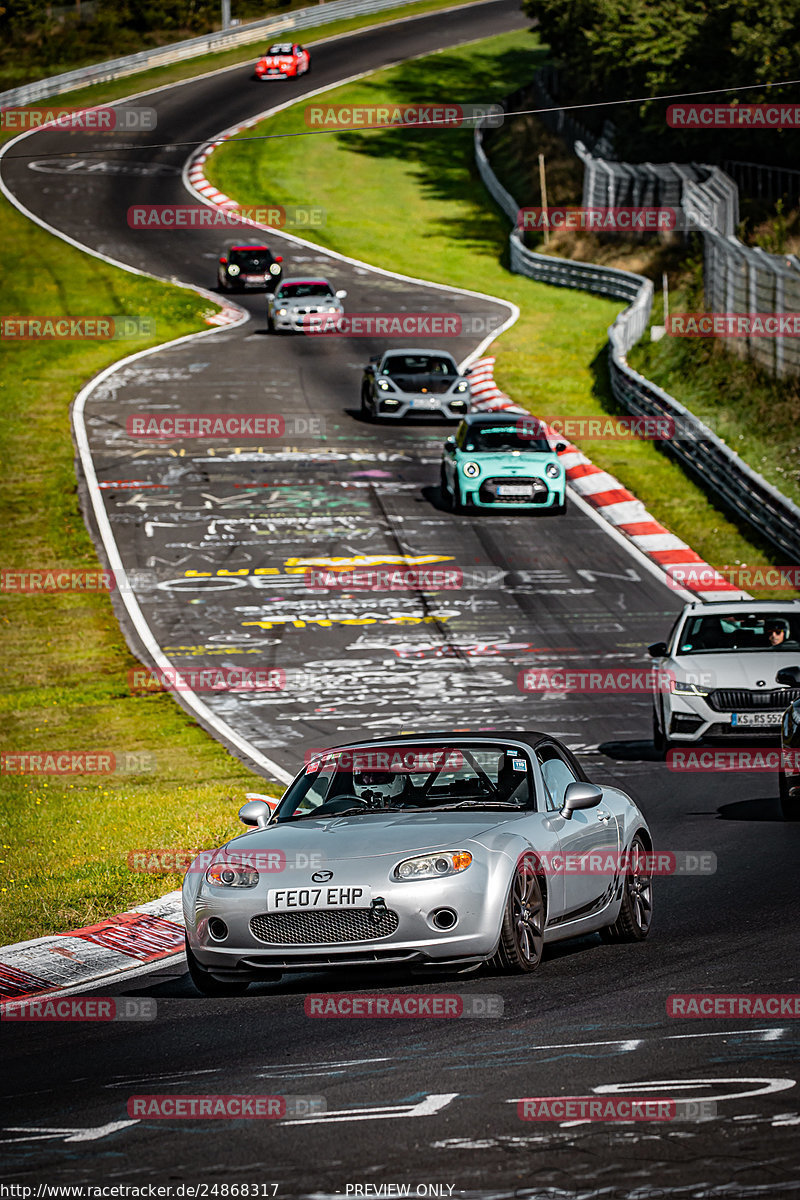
[494, 461]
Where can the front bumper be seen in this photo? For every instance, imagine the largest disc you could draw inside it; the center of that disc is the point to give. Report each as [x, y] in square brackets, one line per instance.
[486, 492]
[407, 935]
[692, 720]
[395, 406]
[299, 322]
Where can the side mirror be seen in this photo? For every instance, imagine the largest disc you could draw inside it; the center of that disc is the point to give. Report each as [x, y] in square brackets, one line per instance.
[278, 258]
[561, 447]
[341, 294]
[580, 795]
[224, 260]
[789, 677]
[450, 445]
[257, 811]
[657, 650]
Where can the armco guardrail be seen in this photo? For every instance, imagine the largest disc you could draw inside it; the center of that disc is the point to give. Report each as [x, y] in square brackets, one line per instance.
[723, 472]
[159, 56]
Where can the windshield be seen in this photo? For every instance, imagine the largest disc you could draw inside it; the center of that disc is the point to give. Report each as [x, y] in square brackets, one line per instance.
[418, 364]
[494, 439]
[377, 778]
[740, 631]
[291, 291]
[257, 261]
[280, 48]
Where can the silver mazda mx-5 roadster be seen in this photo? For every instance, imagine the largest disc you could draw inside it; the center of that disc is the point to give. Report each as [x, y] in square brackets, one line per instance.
[442, 850]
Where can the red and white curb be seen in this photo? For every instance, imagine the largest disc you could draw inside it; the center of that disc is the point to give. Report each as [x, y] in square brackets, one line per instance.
[615, 503]
[85, 956]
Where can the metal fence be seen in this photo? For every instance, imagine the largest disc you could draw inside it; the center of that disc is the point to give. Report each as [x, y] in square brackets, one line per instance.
[764, 182]
[158, 56]
[718, 467]
[737, 279]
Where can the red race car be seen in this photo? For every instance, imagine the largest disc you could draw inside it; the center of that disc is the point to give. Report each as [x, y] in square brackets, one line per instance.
[283, 60]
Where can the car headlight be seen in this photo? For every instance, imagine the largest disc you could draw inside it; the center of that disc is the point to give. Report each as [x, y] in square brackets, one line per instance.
[462, 386]
[553, 470]
[275, 269]
[471, 469]
[233, 269]
[333, 308]
[687, 689]
[231, 875]
[384, 385]
[281, 312]
[433, 866]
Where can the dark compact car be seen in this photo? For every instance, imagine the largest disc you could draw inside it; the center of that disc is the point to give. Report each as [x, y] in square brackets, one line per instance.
[249, 268]
[789, 775]
[402, 383]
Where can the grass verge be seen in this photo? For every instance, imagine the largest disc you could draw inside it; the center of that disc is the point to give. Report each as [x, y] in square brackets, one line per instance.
[65, 840]
[419, 207]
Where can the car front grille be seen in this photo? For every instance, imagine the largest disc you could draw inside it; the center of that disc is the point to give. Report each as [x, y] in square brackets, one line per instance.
[324, 926]
[744, 700]
[488, 491]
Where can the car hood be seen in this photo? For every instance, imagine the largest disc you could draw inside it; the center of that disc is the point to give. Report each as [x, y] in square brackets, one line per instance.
[434, 384]
[734, 670]
[500, 460]
[306, 302]
[340, 838]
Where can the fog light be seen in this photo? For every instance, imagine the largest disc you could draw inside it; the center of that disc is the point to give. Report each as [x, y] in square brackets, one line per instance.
[217, 929]
[443, 918]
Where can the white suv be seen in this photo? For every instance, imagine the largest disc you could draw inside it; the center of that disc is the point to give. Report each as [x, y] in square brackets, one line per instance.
[716, 676]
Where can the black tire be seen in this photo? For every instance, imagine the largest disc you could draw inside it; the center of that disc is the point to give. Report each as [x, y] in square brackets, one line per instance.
[270, 322]
[560, 509]
[790, 804]
[522, 934]
[636, 912]
[207, 985]
[447, 498]
[661, 742]
[366, 411]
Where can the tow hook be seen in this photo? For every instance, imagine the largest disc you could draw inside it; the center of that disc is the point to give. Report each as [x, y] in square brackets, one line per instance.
[378, 910]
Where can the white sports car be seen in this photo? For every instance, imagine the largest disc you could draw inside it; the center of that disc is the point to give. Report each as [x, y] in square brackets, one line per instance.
[717, 669]
[423, 851]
